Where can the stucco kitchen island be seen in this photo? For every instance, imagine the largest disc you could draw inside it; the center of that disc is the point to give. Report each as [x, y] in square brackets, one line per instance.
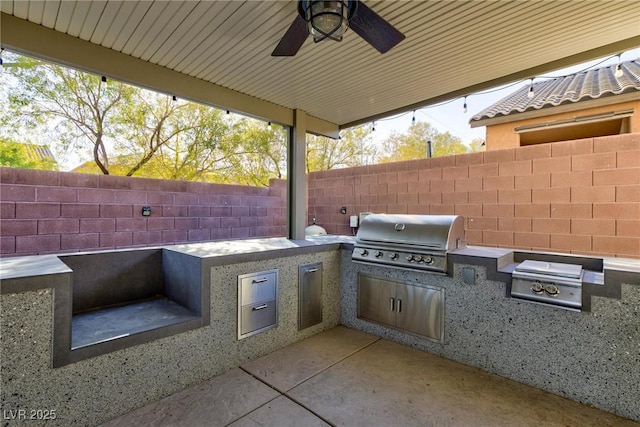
[589, 356]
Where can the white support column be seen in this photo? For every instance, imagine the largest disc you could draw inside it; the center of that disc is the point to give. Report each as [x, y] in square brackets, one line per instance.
[296, 177]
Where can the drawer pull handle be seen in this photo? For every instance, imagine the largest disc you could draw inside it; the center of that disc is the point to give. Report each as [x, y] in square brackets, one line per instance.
[264, 279]
[260, 307]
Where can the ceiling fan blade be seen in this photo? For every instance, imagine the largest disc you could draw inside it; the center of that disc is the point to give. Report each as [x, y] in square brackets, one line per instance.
[374, 29]
[293, 39]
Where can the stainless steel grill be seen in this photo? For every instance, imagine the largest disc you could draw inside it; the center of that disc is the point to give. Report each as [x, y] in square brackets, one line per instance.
[548, 282]
[408, 241]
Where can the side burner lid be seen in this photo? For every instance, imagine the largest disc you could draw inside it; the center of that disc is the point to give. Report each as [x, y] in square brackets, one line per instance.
[573, 271]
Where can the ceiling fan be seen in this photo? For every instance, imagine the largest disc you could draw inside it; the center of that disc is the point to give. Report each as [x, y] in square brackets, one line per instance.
[330, 19]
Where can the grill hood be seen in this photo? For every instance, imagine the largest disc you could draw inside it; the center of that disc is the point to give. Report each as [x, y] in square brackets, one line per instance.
[429, 232]
[408, 241]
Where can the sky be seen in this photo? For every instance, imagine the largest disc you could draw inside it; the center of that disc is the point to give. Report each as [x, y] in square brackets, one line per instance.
[450, 117]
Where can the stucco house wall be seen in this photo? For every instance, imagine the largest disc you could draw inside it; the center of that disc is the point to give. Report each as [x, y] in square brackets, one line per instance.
[503, 135]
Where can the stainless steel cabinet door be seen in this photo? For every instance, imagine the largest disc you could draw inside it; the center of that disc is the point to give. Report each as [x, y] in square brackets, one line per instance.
[310, 295]
[420, 310]
[376, 299]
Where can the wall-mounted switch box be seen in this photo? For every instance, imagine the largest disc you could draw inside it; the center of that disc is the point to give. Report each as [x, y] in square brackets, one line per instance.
[353, 221]
[146, 211]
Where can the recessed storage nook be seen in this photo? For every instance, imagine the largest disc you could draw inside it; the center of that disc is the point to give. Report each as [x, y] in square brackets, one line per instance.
[257, 302]
[418, 309]
[125, 298]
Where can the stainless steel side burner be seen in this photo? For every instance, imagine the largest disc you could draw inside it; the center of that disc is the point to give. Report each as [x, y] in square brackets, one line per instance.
[552, 283]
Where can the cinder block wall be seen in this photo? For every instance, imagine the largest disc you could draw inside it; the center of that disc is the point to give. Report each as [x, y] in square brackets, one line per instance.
[52, 212]
[579, 196]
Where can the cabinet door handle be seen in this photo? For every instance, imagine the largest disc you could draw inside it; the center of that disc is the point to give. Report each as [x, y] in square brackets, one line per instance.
[311, 270]
[264, 279]
[392, 304]
[399, 305]
[260, 307]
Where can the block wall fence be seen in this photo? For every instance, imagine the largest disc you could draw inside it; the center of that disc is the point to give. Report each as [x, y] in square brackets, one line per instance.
[579, 196]
[52, 212]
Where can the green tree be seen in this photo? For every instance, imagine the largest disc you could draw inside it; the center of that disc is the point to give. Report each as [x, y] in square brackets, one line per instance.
[353, 148]
[132, 131]
[476, 145]
[80, 105]
[260, 153]
[171, 139]
[198, 151]
[413, 145]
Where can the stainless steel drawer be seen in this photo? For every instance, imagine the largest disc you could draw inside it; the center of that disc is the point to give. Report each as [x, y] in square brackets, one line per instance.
[257, 302]
[258, 287]
[257, 317]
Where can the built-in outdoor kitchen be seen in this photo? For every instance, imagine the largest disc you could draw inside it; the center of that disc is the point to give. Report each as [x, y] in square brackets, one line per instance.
[515, 261]
[562, 323]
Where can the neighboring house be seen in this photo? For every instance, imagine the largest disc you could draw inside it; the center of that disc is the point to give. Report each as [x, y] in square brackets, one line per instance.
[31, 156]
[119, 165]
[583, 105]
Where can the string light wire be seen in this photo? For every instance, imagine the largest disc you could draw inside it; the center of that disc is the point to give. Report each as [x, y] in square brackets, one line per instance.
[485, 92]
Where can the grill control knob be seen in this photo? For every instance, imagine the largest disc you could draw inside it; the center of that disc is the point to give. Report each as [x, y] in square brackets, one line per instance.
[410, 258]
[429, 260]
[552, 290]
[378, 254]
[537, 287]
[364, 252]
[417, 258]
[393, 255]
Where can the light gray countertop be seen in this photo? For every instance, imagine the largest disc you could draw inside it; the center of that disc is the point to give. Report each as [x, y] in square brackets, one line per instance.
[41, 265]
[246, 249]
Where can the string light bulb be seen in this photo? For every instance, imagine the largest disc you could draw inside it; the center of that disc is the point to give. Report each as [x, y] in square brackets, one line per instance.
[269, 125]
[175, 98]
[531, 93]
[413, 119]
[464, 106]
[618, 73]
[104, 79]
[373, 126]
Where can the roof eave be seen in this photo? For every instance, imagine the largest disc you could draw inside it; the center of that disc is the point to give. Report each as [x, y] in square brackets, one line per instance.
[551, 110]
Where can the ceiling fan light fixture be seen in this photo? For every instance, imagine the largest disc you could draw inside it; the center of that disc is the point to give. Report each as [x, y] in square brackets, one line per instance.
[327, 19]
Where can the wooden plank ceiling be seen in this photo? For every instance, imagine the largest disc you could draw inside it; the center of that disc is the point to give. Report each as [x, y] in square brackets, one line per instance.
[451, 47]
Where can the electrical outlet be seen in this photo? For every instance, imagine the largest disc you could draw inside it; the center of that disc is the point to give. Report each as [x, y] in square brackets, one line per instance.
[353, 221]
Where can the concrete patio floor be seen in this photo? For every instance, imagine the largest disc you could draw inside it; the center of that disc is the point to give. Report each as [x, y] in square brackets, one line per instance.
[345, 377]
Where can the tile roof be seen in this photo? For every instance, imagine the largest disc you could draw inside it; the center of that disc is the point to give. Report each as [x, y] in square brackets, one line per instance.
[39, 152]
[586, 85]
